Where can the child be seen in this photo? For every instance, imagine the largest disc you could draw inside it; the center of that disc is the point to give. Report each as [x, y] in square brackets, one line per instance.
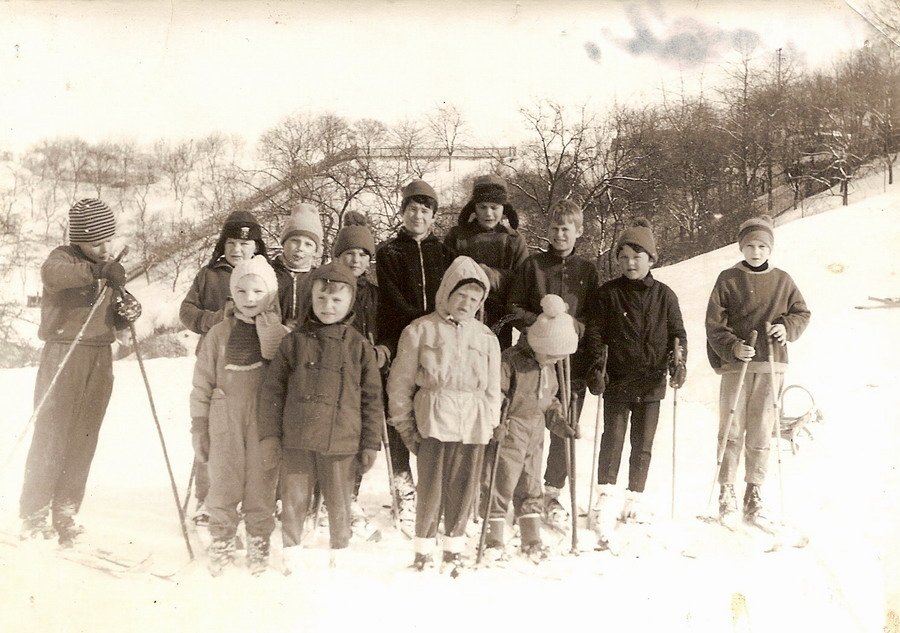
[227, 374]
[354, 247]
[496, 246]
[204, 305]
[558, 271]
[746, 297]
[67, 426]
[320, 406]
[528, 381]
[301, 239]
[444, 399]
[638, 318]
[409, 268]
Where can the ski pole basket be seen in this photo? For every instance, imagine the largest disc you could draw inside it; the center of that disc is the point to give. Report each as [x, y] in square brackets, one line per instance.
[797, 412]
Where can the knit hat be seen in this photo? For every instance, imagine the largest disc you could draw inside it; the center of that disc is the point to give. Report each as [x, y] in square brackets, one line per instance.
[489, 188]
[553, 333]
[239, 225]
[417, 188]
[354, 233]
[304, 220]
[333, 271]
[90, 220]
[641, 234]
[761, 228]
[269, 329]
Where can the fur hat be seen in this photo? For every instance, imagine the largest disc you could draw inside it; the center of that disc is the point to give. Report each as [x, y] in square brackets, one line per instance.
[417, 188]
[239, 225]
[354, 233]
[553, 333]
[761, 228]
[90, 220]
[304, 220]
[641, 234]
[489, 188]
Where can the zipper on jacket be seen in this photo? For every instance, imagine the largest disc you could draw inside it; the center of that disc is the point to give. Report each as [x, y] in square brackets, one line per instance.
[422, 267]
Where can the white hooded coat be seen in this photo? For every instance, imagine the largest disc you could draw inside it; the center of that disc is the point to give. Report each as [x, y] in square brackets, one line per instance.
[446, 377]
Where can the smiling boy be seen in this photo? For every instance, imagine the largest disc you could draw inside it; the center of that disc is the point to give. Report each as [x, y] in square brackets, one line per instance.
[301, 239]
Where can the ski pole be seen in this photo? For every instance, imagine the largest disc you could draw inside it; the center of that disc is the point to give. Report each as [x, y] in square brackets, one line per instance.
[492, 484]
[573, 404]
[162, 439]
[676, 357]
[562, 374]
[775, 397]
[34, 414]
[596, 453]
[187, 492]
[720, 454]
[392, 486]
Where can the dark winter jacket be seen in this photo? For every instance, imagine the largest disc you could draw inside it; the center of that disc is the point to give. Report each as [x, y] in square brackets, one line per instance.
[203, 306]
[501, 249]
[292, 292]
[70, 290]
[639, 321]
[365, 307]
[742, 301]
[322, 391]
[573, 278]
[409, 274]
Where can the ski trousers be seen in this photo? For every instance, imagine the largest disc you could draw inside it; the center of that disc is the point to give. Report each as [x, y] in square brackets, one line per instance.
[448, 477]
[518, 477]
[644, 419]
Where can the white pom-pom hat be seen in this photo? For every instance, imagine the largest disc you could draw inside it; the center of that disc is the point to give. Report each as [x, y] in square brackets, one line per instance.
[553, 333]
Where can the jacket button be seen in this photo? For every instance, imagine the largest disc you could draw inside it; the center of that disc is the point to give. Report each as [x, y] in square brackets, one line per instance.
[311, 363]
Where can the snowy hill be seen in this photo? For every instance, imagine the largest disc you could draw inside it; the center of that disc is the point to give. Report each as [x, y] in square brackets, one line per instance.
[840, 489]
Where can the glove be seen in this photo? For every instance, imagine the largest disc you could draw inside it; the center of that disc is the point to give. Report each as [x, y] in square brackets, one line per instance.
[270, 452]
[556, 421]
[677, 369]
[411, 439]
[742, 351]
[200, 438]
[382, 355]
[501, 431]
[128, 307]
[778, 332]
[113, 272]
[366, 459]
[597, 380]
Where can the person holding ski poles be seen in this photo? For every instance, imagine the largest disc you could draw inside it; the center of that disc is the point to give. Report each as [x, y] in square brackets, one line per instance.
[635, 321]
[744, 299]
[81, 311]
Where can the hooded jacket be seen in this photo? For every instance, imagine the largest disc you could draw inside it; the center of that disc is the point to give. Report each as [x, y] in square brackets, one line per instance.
[445, 380]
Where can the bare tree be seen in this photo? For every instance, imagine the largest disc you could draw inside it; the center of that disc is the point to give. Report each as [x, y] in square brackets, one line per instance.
[447, 127]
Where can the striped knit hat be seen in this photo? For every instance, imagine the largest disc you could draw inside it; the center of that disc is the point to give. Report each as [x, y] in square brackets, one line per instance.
[90, 220]
[760, 228]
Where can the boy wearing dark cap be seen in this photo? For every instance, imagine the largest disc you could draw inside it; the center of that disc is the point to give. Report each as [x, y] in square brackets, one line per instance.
[75, 278]
[486, 232]
[745, 298]
[321, 411]
[409, 268]
[204, 305]
[638, 318]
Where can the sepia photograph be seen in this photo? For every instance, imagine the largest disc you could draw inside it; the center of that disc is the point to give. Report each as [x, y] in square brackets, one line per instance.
[408, 315]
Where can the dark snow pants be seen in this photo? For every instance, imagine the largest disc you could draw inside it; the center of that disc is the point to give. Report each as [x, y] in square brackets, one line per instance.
[66, 429]
[644, 419]
[448, 476]
[556, 474]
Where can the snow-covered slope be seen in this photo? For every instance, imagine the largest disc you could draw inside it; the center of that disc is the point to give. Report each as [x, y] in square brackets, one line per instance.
[840, 489]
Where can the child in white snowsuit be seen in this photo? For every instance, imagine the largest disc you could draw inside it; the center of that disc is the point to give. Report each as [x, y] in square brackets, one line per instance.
[321, 410]
[229, 368]
[67, 426]
[444, 398]
[529, 384]
[746, 297]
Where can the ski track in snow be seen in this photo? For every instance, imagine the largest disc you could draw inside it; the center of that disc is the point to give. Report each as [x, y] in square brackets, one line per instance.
[840, 490]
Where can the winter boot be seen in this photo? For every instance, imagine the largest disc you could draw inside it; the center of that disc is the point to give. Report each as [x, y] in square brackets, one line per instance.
[607, 517]
[495, 528]
[66, 528]
[257, 554]
[555, 514]
[406, 502]
[35, 525]
[201, 515]
[221, 554]
[452, 558]
[634, 510]
[728, 510]
[423, 556]
[360, 525]
[753, 505]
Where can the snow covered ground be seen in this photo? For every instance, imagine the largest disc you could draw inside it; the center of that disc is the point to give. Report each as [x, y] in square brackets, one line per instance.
[840, 489]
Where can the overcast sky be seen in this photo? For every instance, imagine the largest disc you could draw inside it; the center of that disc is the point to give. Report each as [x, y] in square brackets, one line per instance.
[144, 70]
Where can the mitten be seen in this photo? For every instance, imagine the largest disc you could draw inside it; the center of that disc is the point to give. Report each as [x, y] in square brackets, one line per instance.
[366, 459]
[270, 452]
[200, 438]
[128, 307]
[113, 272]
[556, 421]
[382, 355]
[677, 368]
[501, 431]
[597, 379]
[210, 318]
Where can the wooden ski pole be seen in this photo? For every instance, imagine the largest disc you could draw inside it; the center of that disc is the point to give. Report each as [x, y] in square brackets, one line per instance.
[677, 358]
[392, 486]
[720, 454]
[187, 492]
[492, 483]
[597, 434]
[773, 379]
